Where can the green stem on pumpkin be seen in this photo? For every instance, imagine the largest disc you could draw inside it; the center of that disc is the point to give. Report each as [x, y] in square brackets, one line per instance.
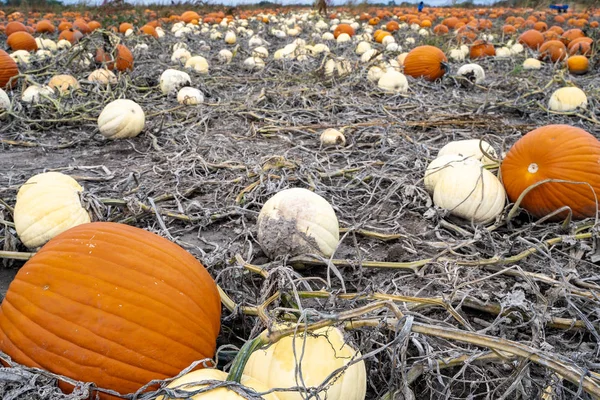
[239, 363]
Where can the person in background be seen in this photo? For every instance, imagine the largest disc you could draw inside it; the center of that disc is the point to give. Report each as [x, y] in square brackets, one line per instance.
[322, 7]
[420, 7]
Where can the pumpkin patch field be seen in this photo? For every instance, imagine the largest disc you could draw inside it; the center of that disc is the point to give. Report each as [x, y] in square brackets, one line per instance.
[239, 203]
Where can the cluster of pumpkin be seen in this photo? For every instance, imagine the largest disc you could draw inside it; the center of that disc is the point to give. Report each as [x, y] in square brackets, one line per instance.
[119, 306]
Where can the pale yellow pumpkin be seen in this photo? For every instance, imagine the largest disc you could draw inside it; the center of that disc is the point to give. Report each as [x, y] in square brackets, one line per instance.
[470, 191]
[437, 166]
[47, 205]
[567, 99]
[295, 222]
[316, 356]
[121, 119]
[191, 382]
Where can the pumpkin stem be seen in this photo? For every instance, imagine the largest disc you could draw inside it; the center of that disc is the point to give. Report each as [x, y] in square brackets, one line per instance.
[239, 363]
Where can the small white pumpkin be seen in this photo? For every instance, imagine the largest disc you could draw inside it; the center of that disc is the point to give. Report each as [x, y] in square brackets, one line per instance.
[470, 191]
[47, 205]
[362, 48]
[103, 76]
[33, 93]
[473, 72]
[21, 57]
[4, 101]
[328, 36]
[457, 55]
[121, 119]
[230, 37]
[332, 137]
[504, 52]
[63, 83]
[171, 80]
[517, 48]
[567, 99]
[393, 81]
[190, 382]
[254, 64]
[400, 59]
[225, 56]
[339, 67]
[295, 222]
[63, 44]
[189, 96]
[198, 64]
[261, 52]
[375, 73]
[470, 148]
[180, 56]
[532, 63]
[311, 357]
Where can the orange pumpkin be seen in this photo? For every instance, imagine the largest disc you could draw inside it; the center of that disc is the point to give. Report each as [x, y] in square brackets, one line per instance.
[572, 34]
[481, 49]
[578, 65]
[64, 25]
[532, 39]
[428, 62]
[110, 304]
[13, 27]
[149, 30]
[554, 152]
[188, 16]
[71, 35]
[392, 26]
[582, 45]
[8, 69]
[21, 41]
[343, 28]
[44, 26]
[124, 27]
[82, 26]
[124, 58]
[553, 50]
[440, 29]
[93, 25]
[508, 29]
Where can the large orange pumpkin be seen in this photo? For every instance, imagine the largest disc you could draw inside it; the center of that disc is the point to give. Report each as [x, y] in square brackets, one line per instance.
[343, 28]
[110, 304]
[8, 69]
[428, 62]
[21, 41]
[553, 50]
[44, 26]
[124, 58]
[554, 152]
[532, 39]
[14, 26]
[481, 49]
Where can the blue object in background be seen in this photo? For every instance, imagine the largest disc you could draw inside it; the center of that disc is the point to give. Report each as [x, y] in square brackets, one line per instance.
[420, 7]
[559, 7]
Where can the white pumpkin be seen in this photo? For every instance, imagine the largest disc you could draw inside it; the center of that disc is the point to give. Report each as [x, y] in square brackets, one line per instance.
[33, 93]
[457, 55]
[63, 83]
[4, 101]
[297, 221]
[343, 38]
[517, 48]
[332, 137]
[230, 37]
[567, 99]
[401, 57]
[47, 205]
[254, 64]
[371, 54]
[191, 382]
[171, 80]
[180, 56]
[63, 44]
[362, 48]
[532, 63]
[339, 67]
[21, 57]
[470, 191]
[375, 73]
[470, 148]
[393, 81]
[503, 52]
[189, 96]
[261, 52]
[103, 76]
[225, 56]
[473, 72]
[121, 119]
[310, 358]
[198, 64]
[328, 36]
[438, 165]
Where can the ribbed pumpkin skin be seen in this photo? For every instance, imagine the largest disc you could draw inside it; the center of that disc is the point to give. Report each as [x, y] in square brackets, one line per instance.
[8, 69]
[21, 41]
[110, 304]
[426, 62]
[560, 152]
